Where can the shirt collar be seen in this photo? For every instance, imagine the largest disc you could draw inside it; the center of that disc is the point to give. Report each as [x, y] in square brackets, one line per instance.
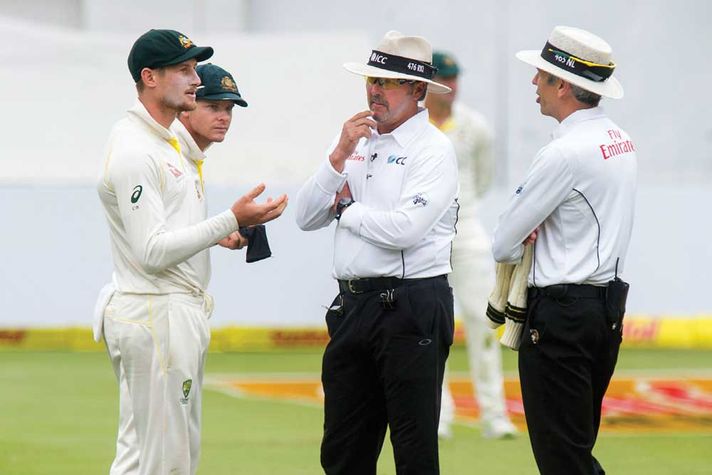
[411, 128]
[575, 118]
[141, 113]
[188, 146]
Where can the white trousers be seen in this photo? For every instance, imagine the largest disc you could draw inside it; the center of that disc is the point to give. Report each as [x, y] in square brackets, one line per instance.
[473, 279]
[157, 345]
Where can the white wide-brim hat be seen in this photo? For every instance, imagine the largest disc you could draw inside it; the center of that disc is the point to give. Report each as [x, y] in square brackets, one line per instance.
[401, 57]
[578, 57]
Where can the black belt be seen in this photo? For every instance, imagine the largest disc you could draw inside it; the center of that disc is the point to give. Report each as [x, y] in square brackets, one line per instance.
[371, 284]
[559, 291]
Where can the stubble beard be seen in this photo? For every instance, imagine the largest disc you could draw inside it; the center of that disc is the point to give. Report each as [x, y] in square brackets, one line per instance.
[185, 105]
[379, 116]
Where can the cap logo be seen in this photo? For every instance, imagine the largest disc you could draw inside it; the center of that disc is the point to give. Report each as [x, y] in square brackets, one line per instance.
[449, 62]
[228, 84]
[185, 42]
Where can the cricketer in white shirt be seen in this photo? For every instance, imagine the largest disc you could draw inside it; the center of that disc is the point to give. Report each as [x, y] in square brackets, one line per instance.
[154, 316]
[156, 210]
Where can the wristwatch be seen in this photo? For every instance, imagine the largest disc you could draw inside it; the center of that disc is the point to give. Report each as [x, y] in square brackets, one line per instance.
[342, 205]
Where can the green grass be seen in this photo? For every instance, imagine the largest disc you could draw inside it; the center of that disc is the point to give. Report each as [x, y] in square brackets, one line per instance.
[58, 416]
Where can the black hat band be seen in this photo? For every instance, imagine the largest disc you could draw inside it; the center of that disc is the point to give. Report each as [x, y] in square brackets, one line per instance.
[580, 67]
[399, 64]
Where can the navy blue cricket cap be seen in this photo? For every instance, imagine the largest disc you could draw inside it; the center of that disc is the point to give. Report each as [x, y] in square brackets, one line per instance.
[216, 84]
[158, 48]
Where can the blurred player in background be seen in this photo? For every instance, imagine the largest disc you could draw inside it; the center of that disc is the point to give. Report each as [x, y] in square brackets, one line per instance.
[154, 314]
[473, 269]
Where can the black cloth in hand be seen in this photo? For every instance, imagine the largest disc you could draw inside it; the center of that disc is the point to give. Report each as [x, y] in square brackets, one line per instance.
[257, 245]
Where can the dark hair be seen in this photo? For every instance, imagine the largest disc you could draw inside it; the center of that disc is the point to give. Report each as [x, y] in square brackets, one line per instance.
[587, 97]
[580, 94]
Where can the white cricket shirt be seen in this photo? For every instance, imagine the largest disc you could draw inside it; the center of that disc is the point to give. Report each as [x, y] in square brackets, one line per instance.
[405, 187]
[155, 206]
[580, 192]
[472, 139]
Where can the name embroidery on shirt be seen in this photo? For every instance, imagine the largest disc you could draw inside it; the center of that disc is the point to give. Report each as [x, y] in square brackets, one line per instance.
[356, 157]
[617, 147]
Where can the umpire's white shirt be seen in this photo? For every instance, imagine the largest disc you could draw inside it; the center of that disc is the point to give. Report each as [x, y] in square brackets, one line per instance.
[580, 193]
[155, 206]
[405, 187]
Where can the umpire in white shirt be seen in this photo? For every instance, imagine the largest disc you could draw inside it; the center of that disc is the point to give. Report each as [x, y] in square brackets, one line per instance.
[576, 206]
[390, 181]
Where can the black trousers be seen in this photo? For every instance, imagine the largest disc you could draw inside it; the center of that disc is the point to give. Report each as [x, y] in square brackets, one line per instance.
[384, 367]
[566, 360]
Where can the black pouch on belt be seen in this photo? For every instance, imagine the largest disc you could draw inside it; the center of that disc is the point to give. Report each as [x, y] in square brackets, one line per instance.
[616, 296]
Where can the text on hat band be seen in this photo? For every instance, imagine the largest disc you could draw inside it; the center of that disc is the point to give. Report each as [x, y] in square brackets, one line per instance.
[580, 67]
[399, 64]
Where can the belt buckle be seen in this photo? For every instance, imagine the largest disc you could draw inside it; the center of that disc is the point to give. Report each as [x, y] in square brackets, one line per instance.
[351, 287]
[557, 291]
